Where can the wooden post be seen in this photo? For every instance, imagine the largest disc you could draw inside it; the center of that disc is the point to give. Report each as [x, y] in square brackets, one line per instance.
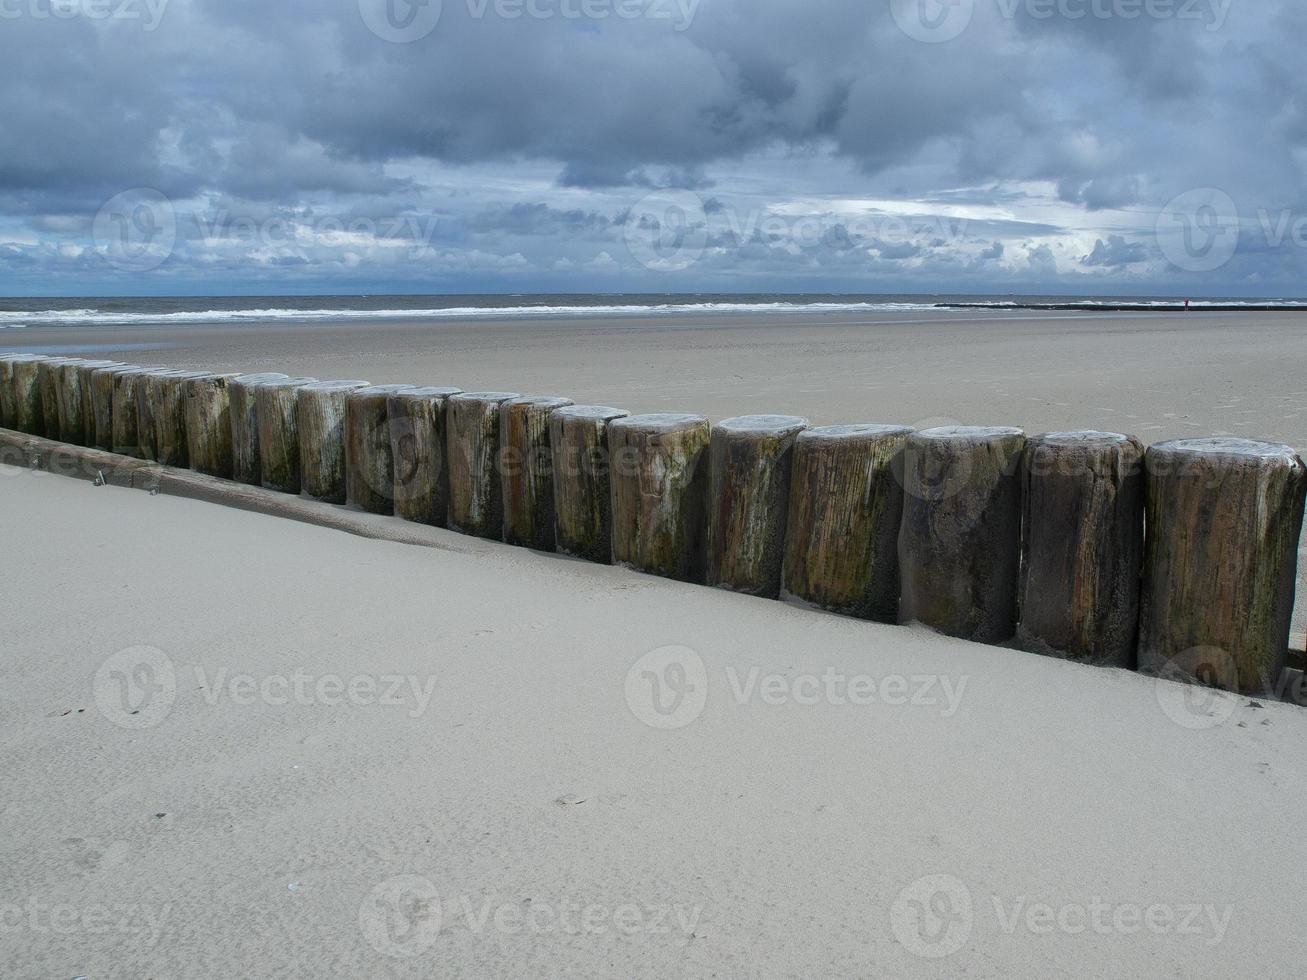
[124, 424]
[320, 415]
[68, 391]
[749, 460]
[208, 423]
[47, 373]
[245, 425]
[418, 446]
[476, 500]
[24, 394]
[86, 374]
[582, 495]
[526, 471]
[659, 482]
[167, 393]
[846, 503]
[960, 542]
[7, 390]
[1082, 546]
[369, 460]
[102, 403]
[276, 404]
[1223, 519]
[147, 401]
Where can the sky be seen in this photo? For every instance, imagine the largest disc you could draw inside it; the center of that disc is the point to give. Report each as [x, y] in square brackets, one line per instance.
[1113, 147]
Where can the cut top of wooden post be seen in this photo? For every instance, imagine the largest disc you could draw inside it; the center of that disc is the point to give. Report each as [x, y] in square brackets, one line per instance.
[426, 392]
[595, 413]
[1226, 449]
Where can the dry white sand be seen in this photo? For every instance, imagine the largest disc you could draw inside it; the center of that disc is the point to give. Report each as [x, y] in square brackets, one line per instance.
[513, 814]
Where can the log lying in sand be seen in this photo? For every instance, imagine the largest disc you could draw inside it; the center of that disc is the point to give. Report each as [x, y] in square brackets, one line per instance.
[526, 471]
[167, 393]
[369, 460]
[418, 446]
[1082, 546]
[276, 405]
[208, 423]
[846, 503]
[659, 480]
[245, 466]
[20, 393]
[476, 500]
[1223, 517]
[320, 415]
[960, 540]
[749, 461]
[578, 438]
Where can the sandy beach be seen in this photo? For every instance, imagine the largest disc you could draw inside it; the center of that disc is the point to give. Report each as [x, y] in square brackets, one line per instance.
[372, 759]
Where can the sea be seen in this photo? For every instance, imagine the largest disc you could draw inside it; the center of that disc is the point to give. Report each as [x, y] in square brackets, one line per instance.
[18, 313]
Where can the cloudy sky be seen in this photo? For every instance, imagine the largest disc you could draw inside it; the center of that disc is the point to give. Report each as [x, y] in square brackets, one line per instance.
[282, 146]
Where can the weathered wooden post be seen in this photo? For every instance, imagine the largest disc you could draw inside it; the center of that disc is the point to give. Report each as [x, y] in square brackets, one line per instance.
[1223, 519]
[167, 393]
[22, 394]
[418, 446]
[102, 383]
[147, 402]
[320, 415]
[749, 460]
[578, 437]
[276, 404]
[526, 471]
[1082, 546]
[85, 374]
[846, 503]
[245, 465]
[960, 541]
[208, 423]
[369, 459]
[476, 500]
[124, 424]
[7, 390]
[659, 482]
[47, 373]
[68, 383]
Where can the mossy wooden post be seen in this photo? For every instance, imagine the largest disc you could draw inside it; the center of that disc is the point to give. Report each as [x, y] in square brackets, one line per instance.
[208, 423]
[526, 467]
[147, 407]
[749, 461]
[369, 460]
[960, 540]
[25, 394]
[245, 425]
[167, 392]
[1223, 518]
[1082, 546]
[418, 446]
[276, 404]
[578, 438]
[7, 390]
[320, 415]
[47, 373]
[72, 421]
[846, 503]
[659, 482]
[102, 403]
[86, 373]
[476, 499]
[124, 425]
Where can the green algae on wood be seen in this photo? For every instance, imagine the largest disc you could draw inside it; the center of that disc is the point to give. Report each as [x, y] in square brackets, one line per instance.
[276, 408]
[846, 503]
[1082, 546]
[960, 538]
